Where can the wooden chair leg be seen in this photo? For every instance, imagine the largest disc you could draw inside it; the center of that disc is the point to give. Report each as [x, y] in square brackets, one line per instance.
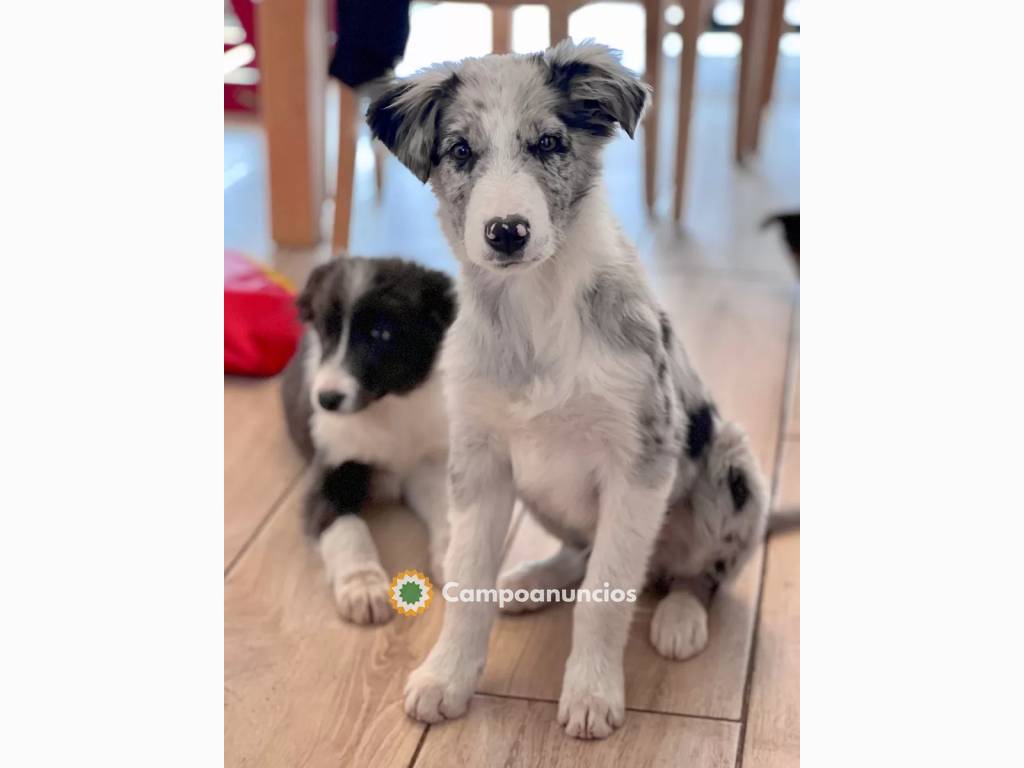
[753, 30]
[292, 42]
[558, 20]
[348, 108]
[652, 74]
[501, 29]
[775, 21]
[693, 25]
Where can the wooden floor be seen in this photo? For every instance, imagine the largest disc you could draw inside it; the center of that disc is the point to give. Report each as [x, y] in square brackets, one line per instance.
[304, 689]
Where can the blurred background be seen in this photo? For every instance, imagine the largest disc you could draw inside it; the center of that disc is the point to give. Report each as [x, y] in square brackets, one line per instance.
[292, 132]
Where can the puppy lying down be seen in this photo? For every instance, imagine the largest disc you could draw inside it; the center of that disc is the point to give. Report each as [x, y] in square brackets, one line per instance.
[362, 399]
[566, 384]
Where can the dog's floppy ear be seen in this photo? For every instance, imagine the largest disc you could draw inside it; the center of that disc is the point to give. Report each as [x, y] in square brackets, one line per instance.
[405, 117]
[600, 90]
[304, 301]
[439, 298]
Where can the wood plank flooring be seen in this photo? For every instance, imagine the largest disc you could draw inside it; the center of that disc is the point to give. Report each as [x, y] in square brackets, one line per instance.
[304, 689]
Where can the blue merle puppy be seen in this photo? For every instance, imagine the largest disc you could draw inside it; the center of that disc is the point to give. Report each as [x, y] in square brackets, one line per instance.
[566, 384]
[363, 402]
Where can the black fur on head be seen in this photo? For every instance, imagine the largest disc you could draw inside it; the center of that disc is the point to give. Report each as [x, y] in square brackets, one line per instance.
[599, 90]
[392, 313]
[406, 116]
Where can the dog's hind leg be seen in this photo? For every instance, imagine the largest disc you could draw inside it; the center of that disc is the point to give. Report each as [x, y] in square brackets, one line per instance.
[562, 570]
[353, 566]
[718, 528]
[679, 628]
[425, 491]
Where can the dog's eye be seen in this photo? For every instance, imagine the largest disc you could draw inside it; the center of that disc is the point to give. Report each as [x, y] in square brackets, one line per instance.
[380, 334]
[547, 143]
[461, 151]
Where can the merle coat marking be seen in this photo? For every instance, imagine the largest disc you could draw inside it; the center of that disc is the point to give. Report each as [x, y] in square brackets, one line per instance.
[565, 382]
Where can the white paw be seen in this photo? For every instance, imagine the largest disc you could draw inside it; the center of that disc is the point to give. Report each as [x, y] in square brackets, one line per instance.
[592, 711]
[362, 598]
[679, 628]
[431, 697]
[528, 576]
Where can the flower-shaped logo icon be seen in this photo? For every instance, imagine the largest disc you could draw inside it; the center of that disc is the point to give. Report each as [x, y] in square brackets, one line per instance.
[411, 592]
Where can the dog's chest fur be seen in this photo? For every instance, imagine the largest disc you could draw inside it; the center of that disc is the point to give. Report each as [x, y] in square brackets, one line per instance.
[567, 415]
[393, 434]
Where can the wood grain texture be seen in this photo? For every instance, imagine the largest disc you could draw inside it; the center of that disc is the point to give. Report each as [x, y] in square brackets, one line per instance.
[501, 29]
[259, 460]
[513, 733]
[302, 688]
[693, 23]
[348, 119]
[737, 336]
[292, 41]
[755, 27]
[528, 652]
[772, 737]
[653, 33]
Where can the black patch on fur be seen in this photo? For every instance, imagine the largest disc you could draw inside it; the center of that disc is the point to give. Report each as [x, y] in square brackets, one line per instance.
[413, 304]
[395, 126]
[666, 329]
[596, 98]
[320, 304]
[384, 118]
[342, 490]
[701, 430]
[738, 488]
[720, 566]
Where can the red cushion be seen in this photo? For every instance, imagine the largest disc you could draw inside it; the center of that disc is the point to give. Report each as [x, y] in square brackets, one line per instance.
[261, 325]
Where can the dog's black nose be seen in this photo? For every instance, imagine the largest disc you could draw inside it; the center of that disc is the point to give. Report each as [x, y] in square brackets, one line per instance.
[330, 400]
[507, 235]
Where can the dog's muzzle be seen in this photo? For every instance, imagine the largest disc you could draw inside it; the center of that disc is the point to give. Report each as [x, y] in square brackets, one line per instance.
[507, 237]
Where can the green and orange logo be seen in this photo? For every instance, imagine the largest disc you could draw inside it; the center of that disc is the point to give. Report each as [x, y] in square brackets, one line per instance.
[410, 593]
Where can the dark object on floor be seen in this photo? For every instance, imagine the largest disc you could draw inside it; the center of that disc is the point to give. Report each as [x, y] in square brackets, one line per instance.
[371, 39]
[791, 229]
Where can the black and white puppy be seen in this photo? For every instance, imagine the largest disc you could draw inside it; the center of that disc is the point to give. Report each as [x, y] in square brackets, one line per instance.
[363, 402]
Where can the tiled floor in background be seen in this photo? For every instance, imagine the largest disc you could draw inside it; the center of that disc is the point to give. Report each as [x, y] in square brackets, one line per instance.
[303, 688]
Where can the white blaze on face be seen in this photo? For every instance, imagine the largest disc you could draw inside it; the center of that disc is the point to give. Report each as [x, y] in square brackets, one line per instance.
[329, 376]
[500, 194]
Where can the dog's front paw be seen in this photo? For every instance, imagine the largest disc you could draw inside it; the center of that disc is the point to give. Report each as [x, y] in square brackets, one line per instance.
[679, 628]
[431, 696]
[591, 711]
[362, 598]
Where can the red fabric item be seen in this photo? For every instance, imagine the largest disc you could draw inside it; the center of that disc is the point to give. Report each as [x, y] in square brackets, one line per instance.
[261, 325]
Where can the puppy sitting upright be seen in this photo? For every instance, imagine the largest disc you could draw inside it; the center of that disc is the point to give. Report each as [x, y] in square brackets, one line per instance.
[362, 399]
[566, 384]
